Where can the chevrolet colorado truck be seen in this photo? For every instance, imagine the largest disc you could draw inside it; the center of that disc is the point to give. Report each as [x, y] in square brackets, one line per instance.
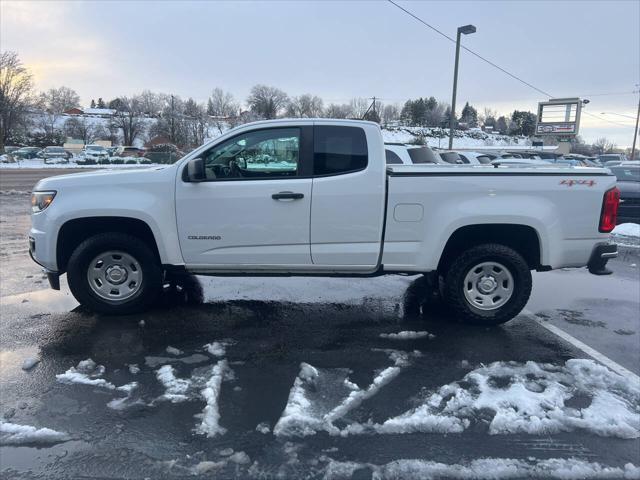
[316, 197]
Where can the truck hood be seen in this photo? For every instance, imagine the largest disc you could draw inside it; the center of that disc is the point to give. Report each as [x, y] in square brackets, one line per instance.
[101, 178]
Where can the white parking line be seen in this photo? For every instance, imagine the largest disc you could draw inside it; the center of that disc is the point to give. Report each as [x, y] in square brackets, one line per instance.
[596, 355]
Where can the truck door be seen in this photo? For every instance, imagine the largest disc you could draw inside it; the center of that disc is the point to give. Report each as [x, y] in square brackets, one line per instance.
[347, 211]
[253, 208]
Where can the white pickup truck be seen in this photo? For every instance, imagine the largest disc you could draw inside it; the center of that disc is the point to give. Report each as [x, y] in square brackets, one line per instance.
[315, 197]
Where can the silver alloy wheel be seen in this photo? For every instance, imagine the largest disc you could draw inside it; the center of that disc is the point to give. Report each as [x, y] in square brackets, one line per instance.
[488, 285]
[114, 276]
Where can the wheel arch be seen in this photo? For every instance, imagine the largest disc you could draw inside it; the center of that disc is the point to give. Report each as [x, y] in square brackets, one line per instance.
[524, 239]
[74, 232]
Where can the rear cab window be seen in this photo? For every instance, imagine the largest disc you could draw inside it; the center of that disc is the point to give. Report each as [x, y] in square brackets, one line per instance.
[392, 158]
[338, 150]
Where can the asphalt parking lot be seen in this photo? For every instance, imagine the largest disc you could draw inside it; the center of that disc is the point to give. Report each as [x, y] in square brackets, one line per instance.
[316, 378]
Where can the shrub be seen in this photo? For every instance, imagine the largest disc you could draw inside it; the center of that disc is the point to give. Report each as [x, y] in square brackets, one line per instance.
[117, 161]
[131, 161]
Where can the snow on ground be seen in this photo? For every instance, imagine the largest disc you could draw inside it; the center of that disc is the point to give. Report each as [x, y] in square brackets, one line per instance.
[210, 425]
[14, 434]
[627, 229]
[173, 350]
[321, 396]
[217, 349]
[485, 468]
[627, 234]
[175, 388]
[86, 373]
[529, 398]
[438, 137]
[153, 361]
[29, 363]
[407, 335]
[38, 163]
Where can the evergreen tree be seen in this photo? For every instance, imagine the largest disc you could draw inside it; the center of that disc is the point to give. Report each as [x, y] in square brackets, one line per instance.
[101, 103]
[469, 115]
[93, 103]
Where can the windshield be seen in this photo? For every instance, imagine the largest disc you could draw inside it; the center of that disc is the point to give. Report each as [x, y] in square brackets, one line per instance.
[95, 148]
[55, 149]
[626, 174]
[606, 158]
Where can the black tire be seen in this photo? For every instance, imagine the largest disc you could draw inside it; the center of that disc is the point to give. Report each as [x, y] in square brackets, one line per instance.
[454, 284]
[78, 265]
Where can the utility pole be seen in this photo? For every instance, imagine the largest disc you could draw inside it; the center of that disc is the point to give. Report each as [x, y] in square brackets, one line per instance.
[635, 132]
[466, 30]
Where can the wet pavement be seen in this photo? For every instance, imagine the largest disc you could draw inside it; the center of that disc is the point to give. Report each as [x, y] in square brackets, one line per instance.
[299, 378]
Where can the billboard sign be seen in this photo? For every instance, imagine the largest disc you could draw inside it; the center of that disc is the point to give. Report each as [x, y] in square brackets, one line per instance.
[558, 117]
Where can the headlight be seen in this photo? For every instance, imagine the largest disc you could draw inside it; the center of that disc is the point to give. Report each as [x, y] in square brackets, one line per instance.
[41, 200]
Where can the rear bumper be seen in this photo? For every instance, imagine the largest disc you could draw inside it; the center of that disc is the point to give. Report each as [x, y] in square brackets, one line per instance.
[600, 256]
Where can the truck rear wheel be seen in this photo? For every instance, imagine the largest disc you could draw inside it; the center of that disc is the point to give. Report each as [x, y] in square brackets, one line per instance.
[114, 273]
[488, 284]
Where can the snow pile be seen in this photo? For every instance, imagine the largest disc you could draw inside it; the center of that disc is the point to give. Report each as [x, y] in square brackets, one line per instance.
[627, 229]
[210, 425]
[529, 398]
[407, 335]
[29, 363]
[86, 373]
[627, 234]
[175, 388]
[217, 349]
[522, 398]
[173, 351]
[319, 397]
[14, 434]
[485, 468]
[438, 137]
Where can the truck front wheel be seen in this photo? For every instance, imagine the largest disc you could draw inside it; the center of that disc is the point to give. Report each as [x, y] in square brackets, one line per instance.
[114, 273]
[488, 284]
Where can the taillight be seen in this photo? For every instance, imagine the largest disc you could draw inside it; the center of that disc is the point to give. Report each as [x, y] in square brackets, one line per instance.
[609, 210]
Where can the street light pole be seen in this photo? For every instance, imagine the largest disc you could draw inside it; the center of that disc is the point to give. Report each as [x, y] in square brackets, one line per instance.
[467, 29]
[635, 133]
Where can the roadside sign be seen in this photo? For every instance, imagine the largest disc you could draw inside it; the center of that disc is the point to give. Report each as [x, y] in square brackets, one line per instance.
[558, 117]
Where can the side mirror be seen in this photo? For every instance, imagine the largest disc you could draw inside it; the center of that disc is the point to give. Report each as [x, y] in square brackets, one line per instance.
[195, 170]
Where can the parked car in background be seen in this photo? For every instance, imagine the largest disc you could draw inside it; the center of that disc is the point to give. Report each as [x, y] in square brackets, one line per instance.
[53, 154]
[10, 149]
[112, 150]
[629, 185]
[129, 152]
[607, 159]
[26, 153]
[92, 154]
[452, 157]
[475, 158]
[401, 154]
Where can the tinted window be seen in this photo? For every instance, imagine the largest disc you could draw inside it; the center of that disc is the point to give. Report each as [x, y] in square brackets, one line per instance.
[463, 158]
[422, 155]
[627, 174]
[272, 153]
[392, 157]
[483, 159]
[338, 150]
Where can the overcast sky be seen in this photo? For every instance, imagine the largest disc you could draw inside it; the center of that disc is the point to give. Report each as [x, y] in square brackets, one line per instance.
[338, 50]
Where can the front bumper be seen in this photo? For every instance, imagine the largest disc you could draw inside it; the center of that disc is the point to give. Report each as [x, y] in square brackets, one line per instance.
[52, 277]
[600, 256]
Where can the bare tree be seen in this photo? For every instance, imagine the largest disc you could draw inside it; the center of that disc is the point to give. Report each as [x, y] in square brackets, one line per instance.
[129, 119]
[82, 128]
[57, 100]
[305, 106]
[151, 103]
[390, 113]
[16, 90]
[267, 101]
[603, 145]
[358, 107]
[196, 123]
[222, 104]
[337, 111]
